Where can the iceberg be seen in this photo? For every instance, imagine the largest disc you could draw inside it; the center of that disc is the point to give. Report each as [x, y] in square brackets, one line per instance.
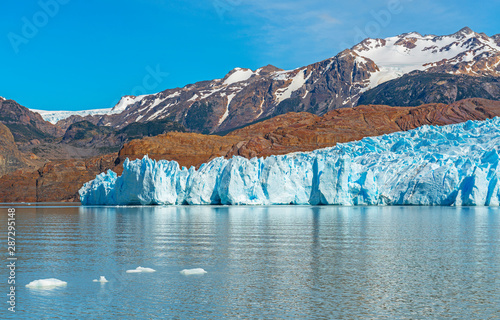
[190, 272]
[46, 284]
[453, 165]
[102, 279]
[140, 269]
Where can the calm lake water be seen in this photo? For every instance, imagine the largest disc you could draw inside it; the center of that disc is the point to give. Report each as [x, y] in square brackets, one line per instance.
[279, 262]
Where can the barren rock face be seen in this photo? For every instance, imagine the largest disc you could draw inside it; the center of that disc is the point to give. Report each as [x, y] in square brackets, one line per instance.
[26, 125]
[55, 181]
[188, 149]
[10, 157]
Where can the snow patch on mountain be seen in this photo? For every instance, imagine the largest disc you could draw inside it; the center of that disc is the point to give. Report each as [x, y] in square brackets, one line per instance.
[55, 116]
[226, 113]
[298, 81]
[238, 75]
[125, 102]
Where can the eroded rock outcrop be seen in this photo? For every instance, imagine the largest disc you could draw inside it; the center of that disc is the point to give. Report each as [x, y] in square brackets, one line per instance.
[188, 149]
[54, 181]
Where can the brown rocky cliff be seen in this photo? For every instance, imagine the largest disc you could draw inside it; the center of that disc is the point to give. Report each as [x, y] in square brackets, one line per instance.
[188, 149]
[11, 159]
[55, 181]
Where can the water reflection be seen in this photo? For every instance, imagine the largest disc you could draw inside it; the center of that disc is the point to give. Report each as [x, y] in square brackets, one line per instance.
[283, 262]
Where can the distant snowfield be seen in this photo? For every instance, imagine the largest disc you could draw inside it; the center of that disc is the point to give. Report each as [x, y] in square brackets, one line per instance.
[54, 116]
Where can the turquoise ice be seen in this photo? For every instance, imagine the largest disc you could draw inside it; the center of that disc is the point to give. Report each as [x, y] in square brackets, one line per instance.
[431, 165]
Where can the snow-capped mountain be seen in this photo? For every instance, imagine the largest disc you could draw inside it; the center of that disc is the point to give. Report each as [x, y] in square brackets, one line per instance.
[464, 52]
[244, 96]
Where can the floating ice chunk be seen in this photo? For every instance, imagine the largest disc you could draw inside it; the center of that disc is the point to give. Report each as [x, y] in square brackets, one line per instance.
[189, 272]
[102, 279]
[46, 284]
[141, 269]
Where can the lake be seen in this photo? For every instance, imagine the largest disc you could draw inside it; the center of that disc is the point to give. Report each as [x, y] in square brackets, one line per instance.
[284, 262]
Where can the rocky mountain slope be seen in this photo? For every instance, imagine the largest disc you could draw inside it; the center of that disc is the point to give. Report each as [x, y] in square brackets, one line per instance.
[419, 88]
[26, 125]
[10, 157]
[245, 96]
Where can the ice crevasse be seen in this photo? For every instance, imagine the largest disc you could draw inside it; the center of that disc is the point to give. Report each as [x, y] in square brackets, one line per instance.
[431, 165]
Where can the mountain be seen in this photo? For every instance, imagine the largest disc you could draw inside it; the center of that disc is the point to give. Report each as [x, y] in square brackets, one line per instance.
[247, 96]
[26, 125]
[85, 134]
[419, 87]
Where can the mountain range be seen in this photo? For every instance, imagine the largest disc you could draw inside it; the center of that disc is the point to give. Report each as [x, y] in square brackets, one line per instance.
[376, 87]
[246, 96]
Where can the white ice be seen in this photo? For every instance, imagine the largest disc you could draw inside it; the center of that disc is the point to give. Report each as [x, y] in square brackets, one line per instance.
[46, 283]
[102, 279]
[141, 269]
[196, 271]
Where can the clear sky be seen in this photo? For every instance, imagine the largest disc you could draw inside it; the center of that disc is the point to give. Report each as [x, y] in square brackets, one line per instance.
[86, 54]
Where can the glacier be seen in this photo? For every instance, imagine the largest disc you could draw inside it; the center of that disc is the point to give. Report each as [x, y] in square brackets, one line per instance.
[453, 165]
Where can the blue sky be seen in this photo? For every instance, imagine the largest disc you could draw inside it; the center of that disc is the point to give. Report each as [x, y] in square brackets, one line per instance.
[86, 54]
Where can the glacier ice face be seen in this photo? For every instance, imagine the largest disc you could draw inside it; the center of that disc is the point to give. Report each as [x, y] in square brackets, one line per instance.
[449, 165]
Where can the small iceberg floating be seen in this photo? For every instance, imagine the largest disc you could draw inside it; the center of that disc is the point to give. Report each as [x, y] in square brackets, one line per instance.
[102, 279]
[190, 272]
[46, 284]
[141, 269]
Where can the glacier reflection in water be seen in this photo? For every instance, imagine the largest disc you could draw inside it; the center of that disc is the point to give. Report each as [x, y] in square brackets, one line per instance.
[261, 262]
